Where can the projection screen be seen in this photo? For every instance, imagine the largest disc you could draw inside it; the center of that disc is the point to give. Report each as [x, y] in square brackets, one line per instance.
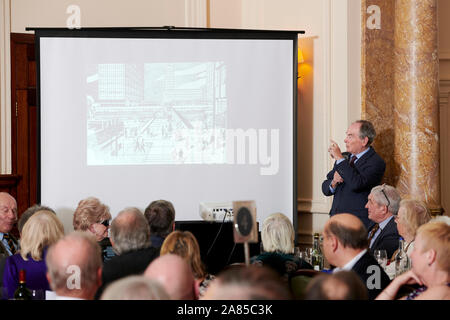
[132, 116]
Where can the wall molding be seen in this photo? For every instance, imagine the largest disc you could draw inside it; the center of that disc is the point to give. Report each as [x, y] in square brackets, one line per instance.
[444, 55]
[444, 92]
[310, 205]
[195, 13]
[5, 87]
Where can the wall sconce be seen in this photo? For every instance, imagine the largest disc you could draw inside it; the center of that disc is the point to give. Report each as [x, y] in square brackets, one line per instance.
[300, 60]
[300, 57]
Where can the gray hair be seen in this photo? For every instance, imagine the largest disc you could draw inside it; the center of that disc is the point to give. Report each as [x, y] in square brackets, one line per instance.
[277, 234]
[366, 130]
[135, 288]
[88, 259]
[380, 193]
[130, 231]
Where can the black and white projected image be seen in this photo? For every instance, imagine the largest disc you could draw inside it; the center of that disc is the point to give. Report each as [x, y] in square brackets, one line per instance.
[156, 113]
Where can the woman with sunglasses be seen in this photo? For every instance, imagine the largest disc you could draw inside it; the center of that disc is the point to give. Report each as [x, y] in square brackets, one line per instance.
[93, 216]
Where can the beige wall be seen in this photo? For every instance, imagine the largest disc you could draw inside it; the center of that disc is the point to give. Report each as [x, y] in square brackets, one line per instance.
[329, 90]
[97, 13]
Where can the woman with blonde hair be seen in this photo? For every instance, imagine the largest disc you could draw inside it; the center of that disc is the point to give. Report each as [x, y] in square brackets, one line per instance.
[277, 235]
[185, 245]
[411, 215]
[93, 216]
[430, 265]
[40, 231]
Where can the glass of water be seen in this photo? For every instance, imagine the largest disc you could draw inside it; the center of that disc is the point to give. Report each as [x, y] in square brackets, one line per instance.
[381, 257]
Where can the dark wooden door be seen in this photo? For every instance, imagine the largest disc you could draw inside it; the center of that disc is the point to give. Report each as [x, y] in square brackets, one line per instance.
[24, 118]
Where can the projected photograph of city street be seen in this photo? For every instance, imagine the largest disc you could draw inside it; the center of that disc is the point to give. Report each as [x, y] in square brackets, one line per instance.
[156, 113]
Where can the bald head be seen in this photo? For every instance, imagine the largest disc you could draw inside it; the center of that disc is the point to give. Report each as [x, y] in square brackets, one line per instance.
[76, 252]
[346, 220]
[348, 229]
[342, 285]
[8, 212]
[175, 275]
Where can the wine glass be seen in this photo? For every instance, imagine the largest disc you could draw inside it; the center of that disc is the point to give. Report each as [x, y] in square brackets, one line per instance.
[381, 257]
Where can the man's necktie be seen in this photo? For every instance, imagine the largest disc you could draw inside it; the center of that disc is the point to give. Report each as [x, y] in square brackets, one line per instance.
[352, 161]
[373, 231]
[10, 241]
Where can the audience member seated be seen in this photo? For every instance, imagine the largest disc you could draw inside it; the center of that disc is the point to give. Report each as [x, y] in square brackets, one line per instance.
[160, 215]
[184, 244]
[130, 238]
[342, 285]
[430, 265]
[75, 266]
[383, 205]
[174, 274]
[277, 235]
[248, 283]
[93, 216]
[29, 212]
[8, 243]
[411, 215]
[135, 288]
[345, 246]
[40, 231]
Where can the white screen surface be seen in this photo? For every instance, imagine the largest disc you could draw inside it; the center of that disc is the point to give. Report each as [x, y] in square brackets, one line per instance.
[130, 121]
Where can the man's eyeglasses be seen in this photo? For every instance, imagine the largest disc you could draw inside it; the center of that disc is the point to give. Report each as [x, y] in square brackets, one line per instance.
[105, 223]
[387, 199]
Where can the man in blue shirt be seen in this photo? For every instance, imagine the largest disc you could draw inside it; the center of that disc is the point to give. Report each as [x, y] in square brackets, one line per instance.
[383, 204]
[351, 180]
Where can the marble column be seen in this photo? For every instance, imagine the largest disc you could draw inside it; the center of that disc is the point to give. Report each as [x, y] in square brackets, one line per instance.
[416, 101]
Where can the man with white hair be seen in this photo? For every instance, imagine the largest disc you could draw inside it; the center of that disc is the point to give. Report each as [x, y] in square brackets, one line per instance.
[8, 217]
[383, 204]
[130, 239]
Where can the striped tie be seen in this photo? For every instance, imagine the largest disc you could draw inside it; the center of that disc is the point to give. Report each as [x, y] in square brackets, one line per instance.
[373, 231]
[352, 161]
[10, 241]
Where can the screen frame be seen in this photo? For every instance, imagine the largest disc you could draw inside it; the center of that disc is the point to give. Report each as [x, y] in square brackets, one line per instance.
[170, 32]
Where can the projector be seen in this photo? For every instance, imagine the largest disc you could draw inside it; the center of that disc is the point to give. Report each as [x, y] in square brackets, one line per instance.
[216, 211]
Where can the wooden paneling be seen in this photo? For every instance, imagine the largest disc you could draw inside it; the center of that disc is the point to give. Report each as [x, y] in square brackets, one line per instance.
[23, 119]
[8, 183]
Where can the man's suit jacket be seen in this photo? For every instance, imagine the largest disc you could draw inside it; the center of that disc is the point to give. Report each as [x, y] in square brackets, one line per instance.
[3, 250]
[361, 267]
[351, 195]
[3, 255]
[387, 239]
[128, 263]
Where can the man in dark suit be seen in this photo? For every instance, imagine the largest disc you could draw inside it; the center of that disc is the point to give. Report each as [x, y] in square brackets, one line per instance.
[383, 204]
[130, 238]
[8, 243]
[345, 246]
[8, 217]
[351, 180]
